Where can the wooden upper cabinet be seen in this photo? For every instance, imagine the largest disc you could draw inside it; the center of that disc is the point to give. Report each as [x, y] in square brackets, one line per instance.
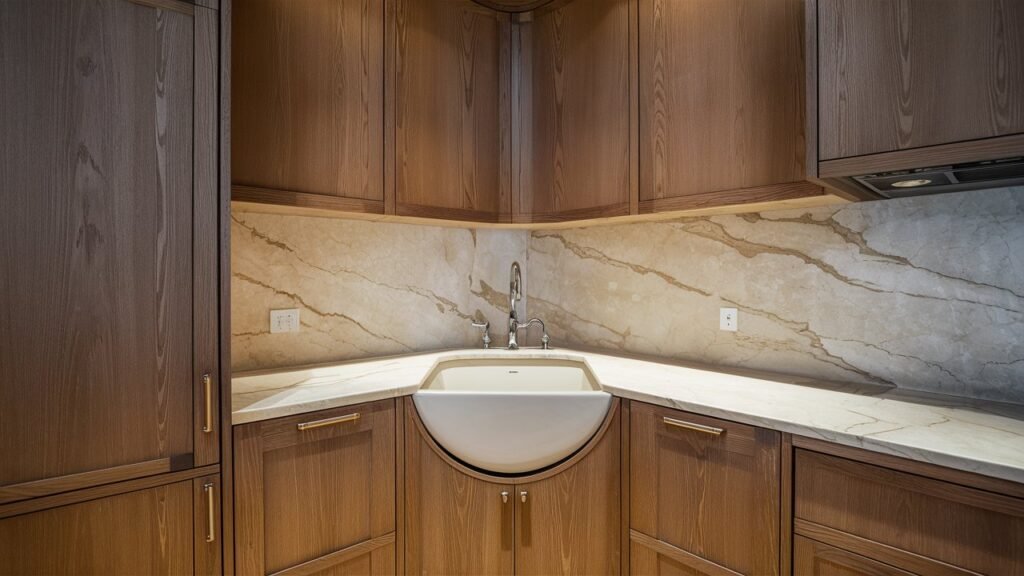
[721, 103]
[317, 491]
[896, 75]
[108, 222]
[450, 73]
[572, 110]
[308, 103]
[704, 495]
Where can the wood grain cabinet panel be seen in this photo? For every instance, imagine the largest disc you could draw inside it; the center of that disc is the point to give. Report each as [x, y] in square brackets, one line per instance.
[811, 558]
[704, 493]
[144, 532]
[315, 493]
[895, 75]
[308, 103]
[572, 111]
[451, 76]
[109, 170]
[919, 524]
[721, 103]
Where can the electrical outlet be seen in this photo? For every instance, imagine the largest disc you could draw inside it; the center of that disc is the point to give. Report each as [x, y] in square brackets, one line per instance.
[284, 320]
[728, 319]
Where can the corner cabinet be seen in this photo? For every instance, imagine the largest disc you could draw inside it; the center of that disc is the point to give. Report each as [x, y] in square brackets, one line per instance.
[315, 493]
[565, 520]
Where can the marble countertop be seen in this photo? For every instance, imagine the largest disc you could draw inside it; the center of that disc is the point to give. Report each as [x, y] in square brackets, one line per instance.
[975, 436]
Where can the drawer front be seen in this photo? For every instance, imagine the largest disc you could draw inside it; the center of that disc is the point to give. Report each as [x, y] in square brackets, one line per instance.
[706, 486]
[316, 487]
[919, 524]
[811, 558]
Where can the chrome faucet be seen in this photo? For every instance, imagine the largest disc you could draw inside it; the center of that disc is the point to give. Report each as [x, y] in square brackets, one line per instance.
[515, 294]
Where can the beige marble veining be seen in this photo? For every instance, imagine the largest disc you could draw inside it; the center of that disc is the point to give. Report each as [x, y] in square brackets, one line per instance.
[971, 435]
[924, 293]
[363, 289]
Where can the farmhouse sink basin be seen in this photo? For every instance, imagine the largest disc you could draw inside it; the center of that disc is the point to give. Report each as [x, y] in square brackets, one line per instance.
[511, 416]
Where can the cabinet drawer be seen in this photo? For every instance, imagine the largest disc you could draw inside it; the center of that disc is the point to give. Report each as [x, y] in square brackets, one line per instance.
[919, 524]
[811, 558]
[316, 490]
[707, 487]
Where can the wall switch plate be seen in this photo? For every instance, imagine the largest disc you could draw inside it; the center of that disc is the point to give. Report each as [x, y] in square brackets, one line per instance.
[284, 320]
[728, 319]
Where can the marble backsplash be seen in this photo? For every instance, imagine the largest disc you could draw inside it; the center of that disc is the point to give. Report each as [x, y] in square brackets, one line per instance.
[363, 288]
[923, 293]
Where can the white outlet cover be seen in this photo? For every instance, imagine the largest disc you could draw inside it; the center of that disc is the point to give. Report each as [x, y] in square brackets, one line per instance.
[284, 320]
[728, 319]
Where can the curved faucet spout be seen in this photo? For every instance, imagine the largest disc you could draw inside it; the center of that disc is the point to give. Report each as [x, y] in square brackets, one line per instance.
[515, 294]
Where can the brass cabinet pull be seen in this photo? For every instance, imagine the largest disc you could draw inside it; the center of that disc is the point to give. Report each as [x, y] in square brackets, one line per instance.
[504, 497]
[522, 495]
[208, 395]
[211, 527]
[693, 426]
[329, 421]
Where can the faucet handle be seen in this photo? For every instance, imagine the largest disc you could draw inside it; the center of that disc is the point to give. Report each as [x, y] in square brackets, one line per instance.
[486, 326]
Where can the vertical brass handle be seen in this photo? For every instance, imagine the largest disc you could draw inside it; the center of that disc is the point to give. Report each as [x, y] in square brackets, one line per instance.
[522, 495]
[211, 527]
[504, 497]
[208, 395]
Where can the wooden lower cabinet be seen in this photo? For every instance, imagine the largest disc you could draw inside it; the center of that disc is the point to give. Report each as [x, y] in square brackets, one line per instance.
[460, 522]
[704, 494]
[812, 558]
[165, 530]
[315, 493]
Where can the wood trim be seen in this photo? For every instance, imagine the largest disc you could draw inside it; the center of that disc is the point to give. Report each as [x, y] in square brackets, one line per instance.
[811, 71]
[421, 211]
[390, 102]
[305, 200]
[954, 153]
[70, 482]
[211, 4]
[505, 125]
[399, 486]
[968, 479]
[341, 556]
[634, 119]
[878, 551]
[610, 210]
[249, 544]
[582, 453]
[173, 5]
[624, 477]
[224, 301]
[679, 555]
[102, 491]
[742, 196]
[786, 505]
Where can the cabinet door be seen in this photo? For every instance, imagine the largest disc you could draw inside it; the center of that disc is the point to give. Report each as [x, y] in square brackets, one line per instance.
[570, 523]
[706, 489]
[317, 490]
[572, 111]
[107, 150]
[451, 116]
[455, 524]
[894, 75]
[144, 532]
[811, 558]
[308, 103]
[721, 103]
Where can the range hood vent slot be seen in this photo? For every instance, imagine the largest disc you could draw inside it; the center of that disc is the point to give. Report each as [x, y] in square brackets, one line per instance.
[939, 179]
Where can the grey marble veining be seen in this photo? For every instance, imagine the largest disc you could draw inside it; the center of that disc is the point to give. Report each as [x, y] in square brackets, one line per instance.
[363, 289]
[924, 293]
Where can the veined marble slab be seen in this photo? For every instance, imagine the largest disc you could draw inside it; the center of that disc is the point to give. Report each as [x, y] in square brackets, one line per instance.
[976, 436]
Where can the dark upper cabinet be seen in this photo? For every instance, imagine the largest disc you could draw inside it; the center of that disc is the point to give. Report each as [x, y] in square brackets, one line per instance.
[572, 111]
[897, 75]
[308, 103]
[109, 236]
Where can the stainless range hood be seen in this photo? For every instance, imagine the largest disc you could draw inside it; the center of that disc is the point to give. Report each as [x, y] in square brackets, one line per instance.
[940, 179]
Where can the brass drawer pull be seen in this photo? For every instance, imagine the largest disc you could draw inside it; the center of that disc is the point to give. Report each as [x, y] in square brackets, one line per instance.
[211, 528]
[693, 426]
[208, 395]
[329, 421]
[504, 497]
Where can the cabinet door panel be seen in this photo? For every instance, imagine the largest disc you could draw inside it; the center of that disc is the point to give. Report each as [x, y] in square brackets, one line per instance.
[721, 99]
[318, 495]
[451, 117]
[713, 496]
[571, 523]
[96, 349]
[895, 75]
[811, 558]
[455, 524]
[144, 532]
[308, 85]
[573, 111]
